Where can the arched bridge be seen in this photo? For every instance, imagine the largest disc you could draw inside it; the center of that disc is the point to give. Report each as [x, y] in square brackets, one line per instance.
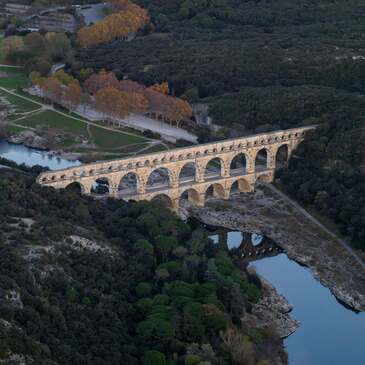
[194, 173]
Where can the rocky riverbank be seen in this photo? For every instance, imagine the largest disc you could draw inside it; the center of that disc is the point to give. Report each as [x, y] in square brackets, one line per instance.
[29, 139]
[272, 311]
[32, 140]
[303, 241]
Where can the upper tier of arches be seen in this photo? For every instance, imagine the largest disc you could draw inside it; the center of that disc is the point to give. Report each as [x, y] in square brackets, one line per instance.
[269, 142]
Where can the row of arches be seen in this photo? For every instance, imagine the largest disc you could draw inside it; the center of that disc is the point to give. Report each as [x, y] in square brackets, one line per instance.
[239, 165]
[161, 178]
[191, 195]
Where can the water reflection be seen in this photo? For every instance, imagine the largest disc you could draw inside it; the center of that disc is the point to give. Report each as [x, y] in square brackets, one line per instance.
[30, 156]
[330, 333]
[249, 246]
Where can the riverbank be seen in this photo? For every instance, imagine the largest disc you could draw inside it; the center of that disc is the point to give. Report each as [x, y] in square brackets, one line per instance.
[32, 140]
[272, 311]
[269, 214]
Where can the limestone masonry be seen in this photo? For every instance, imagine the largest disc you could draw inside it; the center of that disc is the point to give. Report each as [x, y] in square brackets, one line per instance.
[174, 161]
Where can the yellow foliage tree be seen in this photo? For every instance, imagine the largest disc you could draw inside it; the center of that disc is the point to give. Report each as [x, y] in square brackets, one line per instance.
[112, 102]
[161, 88]
[129, 19]
[12, 44]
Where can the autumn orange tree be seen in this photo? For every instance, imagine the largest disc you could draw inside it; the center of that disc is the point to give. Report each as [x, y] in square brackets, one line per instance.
[138, 103]
[128, 19]
[112, 102]
[161, 88]
[52, 89]
[178, 110]
[71, 96]
[101, 80]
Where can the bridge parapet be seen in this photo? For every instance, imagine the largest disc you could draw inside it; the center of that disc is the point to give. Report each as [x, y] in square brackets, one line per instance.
[249, 145]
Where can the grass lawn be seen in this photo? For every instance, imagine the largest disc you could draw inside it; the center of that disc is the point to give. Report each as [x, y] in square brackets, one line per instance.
[21, 104]
[16, 78]
[29, 96]
[52, 120]
[12, 129]
[108, 139]
[155, 148]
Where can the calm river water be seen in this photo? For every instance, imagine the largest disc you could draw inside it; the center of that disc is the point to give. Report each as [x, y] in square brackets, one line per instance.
[30, 156]
[329, 333]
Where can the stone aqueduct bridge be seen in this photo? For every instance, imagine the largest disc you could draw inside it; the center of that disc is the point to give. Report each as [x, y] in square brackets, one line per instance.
[194, 188]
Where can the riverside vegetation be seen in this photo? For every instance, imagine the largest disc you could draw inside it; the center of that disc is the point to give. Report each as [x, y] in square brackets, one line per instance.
[89, 282]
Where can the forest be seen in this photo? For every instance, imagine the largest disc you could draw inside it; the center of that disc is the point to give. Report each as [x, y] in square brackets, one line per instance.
[145, 289]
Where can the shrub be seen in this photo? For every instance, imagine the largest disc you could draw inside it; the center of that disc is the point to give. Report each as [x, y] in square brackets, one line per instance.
[144, 305]
[154, 357]
[143, 289]
[144, 246]
[192, 360]
[161, 299]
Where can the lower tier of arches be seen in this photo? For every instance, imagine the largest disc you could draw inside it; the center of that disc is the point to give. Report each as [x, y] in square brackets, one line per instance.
[173, 197]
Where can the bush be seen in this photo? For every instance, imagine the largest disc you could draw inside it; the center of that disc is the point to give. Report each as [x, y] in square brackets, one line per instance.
[144, 305]
[150, 134]
[192, 360]
[161, 299]
[144, 246]
[180, 289]
[143, 289]
[154, 357]
[38, 64]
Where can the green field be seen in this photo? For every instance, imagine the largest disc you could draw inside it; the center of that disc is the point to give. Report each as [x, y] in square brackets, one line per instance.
[107, 139]
[14, 129]
[21, 105]
[16, 78]
[52, 120]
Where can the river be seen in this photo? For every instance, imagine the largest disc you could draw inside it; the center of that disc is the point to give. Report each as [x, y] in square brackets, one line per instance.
[330, 334]
[30, 156]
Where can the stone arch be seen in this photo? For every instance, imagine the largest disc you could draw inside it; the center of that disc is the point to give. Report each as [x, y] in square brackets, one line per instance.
[160, 178]
[238, 165]
[214, 169]
[190, 195]
[262, 159]
[282, 156]
[163, 200]
[187, 173]
[215, 191]
[101, 186]
[240, 186]
[129, 184]
[76, 187]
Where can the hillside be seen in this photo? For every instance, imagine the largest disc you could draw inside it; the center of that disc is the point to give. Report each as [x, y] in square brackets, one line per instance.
[84, 282]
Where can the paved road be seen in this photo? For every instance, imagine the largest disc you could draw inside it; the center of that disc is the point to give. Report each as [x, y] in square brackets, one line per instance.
[142, 123]
[342, 242]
